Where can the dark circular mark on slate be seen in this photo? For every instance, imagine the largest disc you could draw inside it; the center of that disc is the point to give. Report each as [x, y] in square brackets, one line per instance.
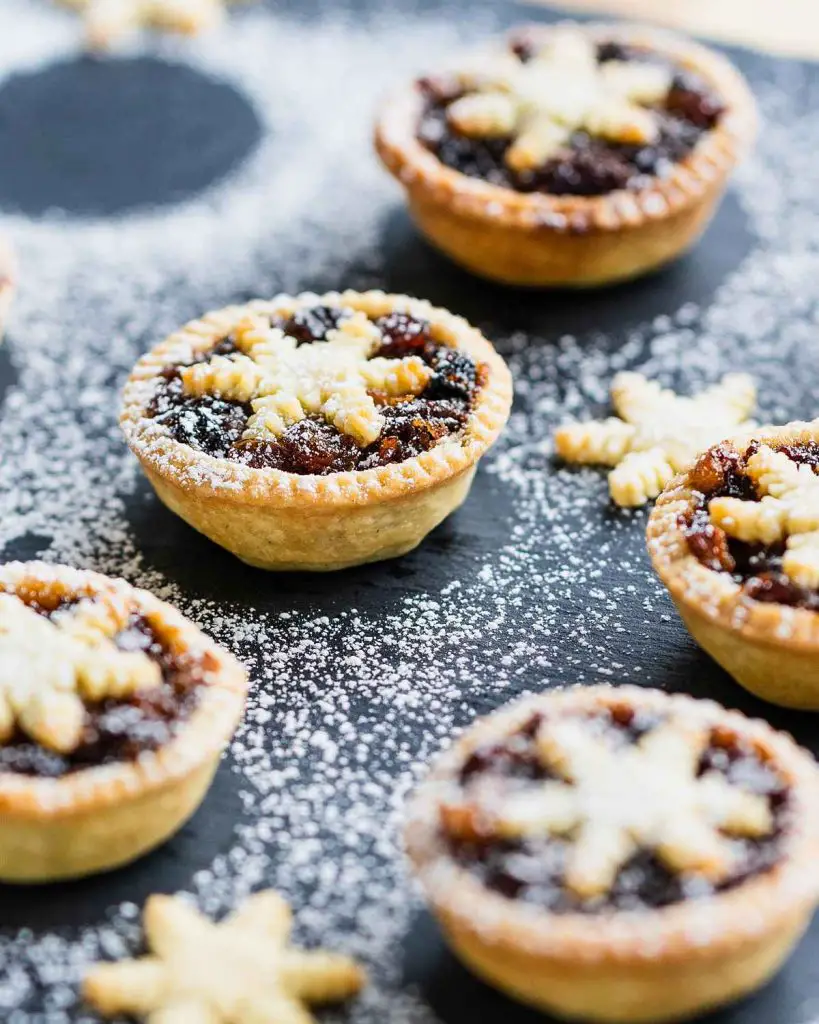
[99, 137]
[167, 869]
[414, 267]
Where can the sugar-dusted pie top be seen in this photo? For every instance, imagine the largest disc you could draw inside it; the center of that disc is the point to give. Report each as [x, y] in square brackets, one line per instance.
[315, 386]
[755, 517]
[615, 807]
[87, 675]
[336, 377]
[558, 111]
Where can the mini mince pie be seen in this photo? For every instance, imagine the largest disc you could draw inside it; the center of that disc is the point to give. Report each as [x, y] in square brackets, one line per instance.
[736, 541]
[114, 711]
[569, 155]
[620, 854]
[317, 432]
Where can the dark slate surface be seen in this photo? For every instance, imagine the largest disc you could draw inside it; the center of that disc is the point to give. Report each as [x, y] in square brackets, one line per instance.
[42, 167]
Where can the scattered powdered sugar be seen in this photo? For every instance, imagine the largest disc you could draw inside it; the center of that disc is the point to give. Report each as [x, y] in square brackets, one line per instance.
[349, 704]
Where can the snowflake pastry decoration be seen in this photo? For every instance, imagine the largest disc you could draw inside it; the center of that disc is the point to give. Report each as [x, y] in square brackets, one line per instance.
[50, 667]
[284, 381]
[560, 90]
[658, 433]
[615, 800]
[239, 970]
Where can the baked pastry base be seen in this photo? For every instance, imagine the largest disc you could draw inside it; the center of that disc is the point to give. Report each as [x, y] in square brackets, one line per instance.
[641, 967]
[285, 521]
[537, 239]
[770, 649]
[288, 540]
[87, 840]
[539, 257]
[99, 818]
[628, 993]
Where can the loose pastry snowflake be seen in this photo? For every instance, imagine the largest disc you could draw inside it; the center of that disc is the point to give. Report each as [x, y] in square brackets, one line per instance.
[788, 511]
[241, 970]
[47, 669]
[107, 21]
[658, 434]
[285, 382]
[561, 89]
[616, 801]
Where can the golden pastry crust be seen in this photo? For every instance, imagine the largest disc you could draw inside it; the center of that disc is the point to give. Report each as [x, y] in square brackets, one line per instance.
[548, 240]
[100, 817]
[278, 520]
[770, 649]
[652, 966]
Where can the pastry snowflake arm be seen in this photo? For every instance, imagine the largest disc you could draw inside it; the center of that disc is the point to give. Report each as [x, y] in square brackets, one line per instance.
[273, 415]
[754, 522]
[733, 399]
[640, 477]
[598, 853]
[135, 987]
[352, 411]
[394, 377]
[484, 114]
[594, 443]
[636, 399]
[637, 81]
[317, 977]
[775, 474]
[620, 121]
[541, 139]
[234, 378]
[358, 332]
[801, 559]
[265, 914]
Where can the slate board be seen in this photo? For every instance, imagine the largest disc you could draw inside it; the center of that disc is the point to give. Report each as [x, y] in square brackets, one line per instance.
[174, 113]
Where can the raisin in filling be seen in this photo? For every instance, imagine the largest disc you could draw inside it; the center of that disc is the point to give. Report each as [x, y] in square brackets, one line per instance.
[719, 473]
[412, 426]
[118, 730]
[532, 869]
[590, 166]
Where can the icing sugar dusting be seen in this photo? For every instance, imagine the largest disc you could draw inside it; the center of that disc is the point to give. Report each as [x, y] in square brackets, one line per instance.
[349, 704]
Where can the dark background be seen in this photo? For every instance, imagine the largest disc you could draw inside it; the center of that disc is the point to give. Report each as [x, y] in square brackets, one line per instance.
[204, 129]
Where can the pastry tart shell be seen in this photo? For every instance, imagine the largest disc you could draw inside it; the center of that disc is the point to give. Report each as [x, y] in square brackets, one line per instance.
[538, 239]
[285, 521]
[651, 966]
[770, 649]
[99, 818]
